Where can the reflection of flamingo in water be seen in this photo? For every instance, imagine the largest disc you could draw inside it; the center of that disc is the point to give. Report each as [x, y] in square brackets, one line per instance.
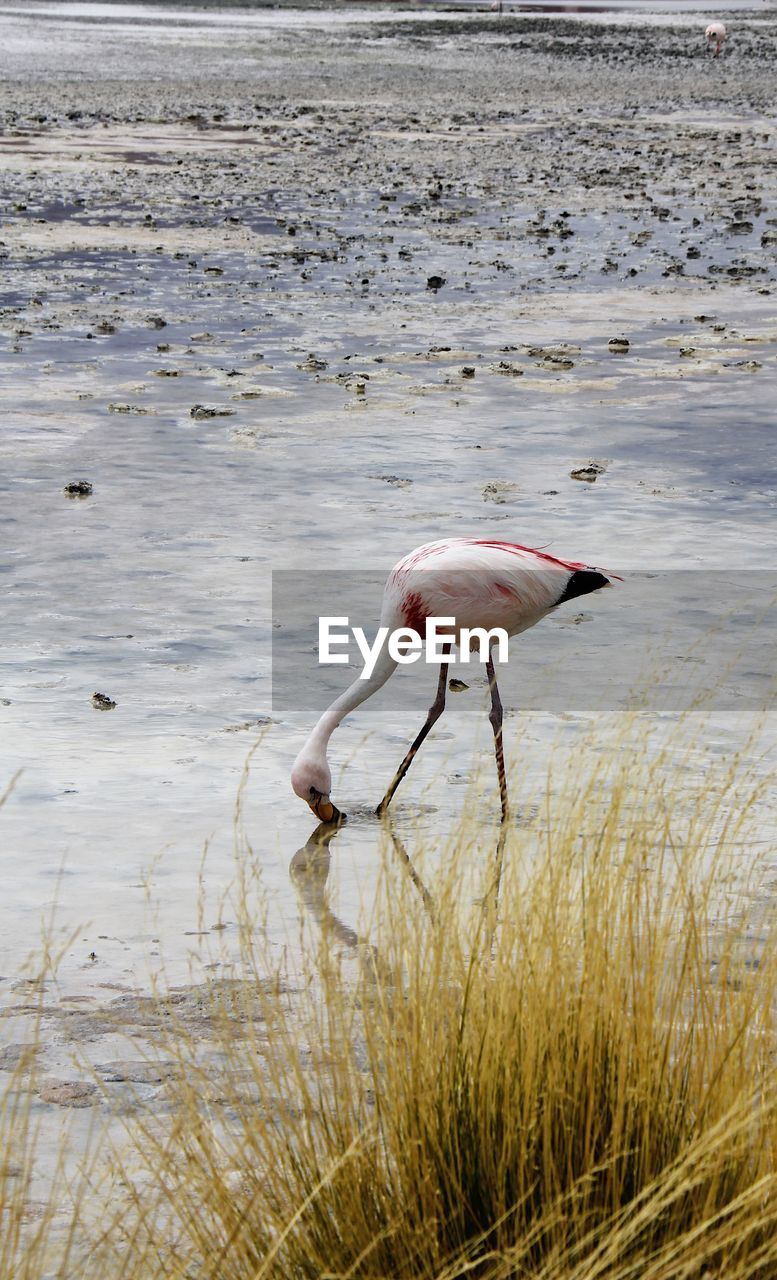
[309, 871]
[478, 583]
[716, 34]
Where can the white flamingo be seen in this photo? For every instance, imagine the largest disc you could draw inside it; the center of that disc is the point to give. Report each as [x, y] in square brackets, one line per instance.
[481, 584]
[716, 34]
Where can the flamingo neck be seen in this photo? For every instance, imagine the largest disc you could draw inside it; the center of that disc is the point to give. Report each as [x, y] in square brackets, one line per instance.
[353, 696]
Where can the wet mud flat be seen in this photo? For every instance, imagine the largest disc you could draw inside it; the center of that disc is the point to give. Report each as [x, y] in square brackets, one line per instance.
[303, 295]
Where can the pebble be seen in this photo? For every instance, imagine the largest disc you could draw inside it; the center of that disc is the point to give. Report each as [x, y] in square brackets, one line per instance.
[557, 362]
[69, 1093]
[210, 411]
[499, 491]
[589, 472]
[78, 488]
[101, 702]
[618, 345]
[313, 364]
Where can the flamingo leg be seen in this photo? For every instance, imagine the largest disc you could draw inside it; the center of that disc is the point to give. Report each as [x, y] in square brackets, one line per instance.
[434, 713]
[404, 858]
[496, 717]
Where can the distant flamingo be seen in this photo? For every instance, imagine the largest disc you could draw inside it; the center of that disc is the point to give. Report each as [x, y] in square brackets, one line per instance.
[716, 34]
[479, 583]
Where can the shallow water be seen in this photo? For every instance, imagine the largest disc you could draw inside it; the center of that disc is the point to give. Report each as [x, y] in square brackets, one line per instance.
[151, 267]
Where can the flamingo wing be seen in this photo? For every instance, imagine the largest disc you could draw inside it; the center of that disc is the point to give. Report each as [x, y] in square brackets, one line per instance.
[480, 583]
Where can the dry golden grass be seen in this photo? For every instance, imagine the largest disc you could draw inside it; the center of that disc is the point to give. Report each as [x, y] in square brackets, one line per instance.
[566, 1074]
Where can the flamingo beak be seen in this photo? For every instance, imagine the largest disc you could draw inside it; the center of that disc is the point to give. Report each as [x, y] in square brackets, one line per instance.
[323, 808]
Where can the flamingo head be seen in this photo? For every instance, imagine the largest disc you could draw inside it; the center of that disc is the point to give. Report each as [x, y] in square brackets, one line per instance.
[311, 780]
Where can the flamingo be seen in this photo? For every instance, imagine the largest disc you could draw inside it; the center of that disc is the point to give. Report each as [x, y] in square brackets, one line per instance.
[476, 582]
[716, 34]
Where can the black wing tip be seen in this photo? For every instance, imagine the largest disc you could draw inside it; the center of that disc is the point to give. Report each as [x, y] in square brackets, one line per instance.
[582, 582]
